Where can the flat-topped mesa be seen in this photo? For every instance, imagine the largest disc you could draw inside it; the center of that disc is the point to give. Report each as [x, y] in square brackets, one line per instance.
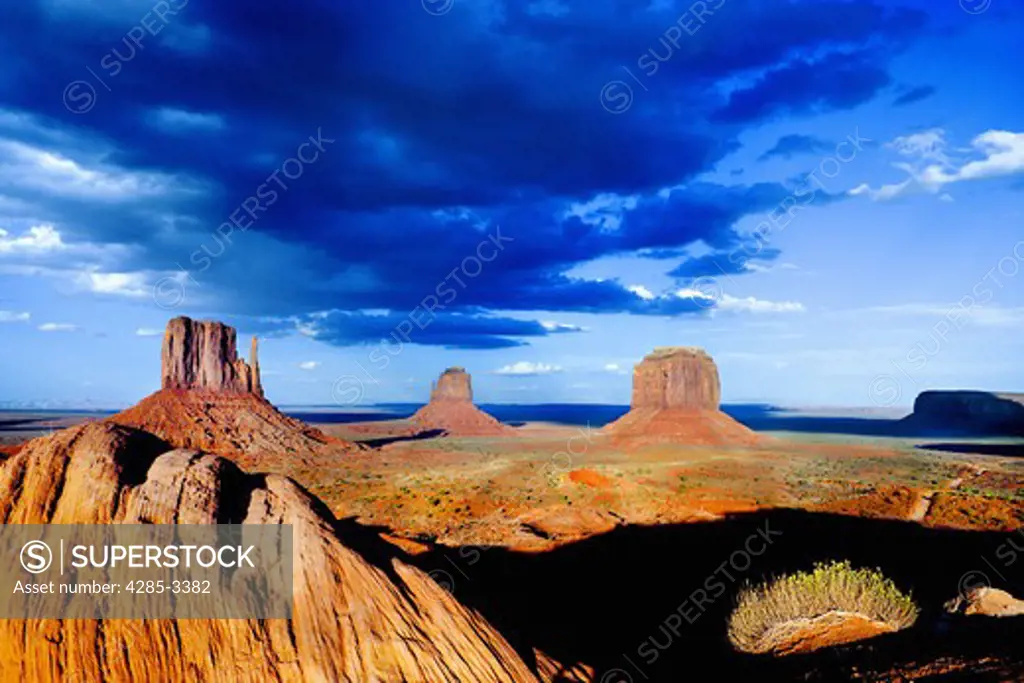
[454, 384]
[451, 409]
[203, 355]
[676, 377]
[676, 397]
[978, 413]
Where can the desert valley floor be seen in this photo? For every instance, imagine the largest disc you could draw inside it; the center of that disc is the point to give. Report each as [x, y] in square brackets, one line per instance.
[579, 548]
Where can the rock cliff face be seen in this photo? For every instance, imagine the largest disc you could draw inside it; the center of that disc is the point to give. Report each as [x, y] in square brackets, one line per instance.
[212, 400]
[676, 395]
[453, 385]
[972, 412]
[451, 409]
[203, 355]
[676, 377]
[352, 620]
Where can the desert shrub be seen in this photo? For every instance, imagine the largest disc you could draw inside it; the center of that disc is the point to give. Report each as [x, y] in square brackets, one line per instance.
[830, 587]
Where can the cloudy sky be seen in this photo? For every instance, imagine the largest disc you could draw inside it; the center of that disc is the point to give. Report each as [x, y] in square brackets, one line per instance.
[828, 195]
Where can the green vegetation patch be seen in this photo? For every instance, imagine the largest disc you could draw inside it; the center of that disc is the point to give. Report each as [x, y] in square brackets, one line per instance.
[830, 588]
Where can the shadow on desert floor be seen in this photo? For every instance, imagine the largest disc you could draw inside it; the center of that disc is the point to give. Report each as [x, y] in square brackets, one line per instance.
[1009, 450]
[608, 600]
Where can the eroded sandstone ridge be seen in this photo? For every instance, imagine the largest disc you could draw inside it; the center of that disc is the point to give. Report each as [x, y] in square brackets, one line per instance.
[201, 354]
[451, 409]
[353, 620]
[676, 395]
[212, 400]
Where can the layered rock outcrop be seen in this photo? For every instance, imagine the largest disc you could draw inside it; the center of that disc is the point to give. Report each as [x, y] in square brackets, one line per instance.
[212, 400]
[979, 413]
[454, 384]
[451, 409]
[202, 354]
[676, 395]
[676, 377]
[353, 620]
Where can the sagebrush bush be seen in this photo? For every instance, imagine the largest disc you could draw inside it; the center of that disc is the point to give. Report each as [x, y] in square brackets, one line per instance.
[830, 587]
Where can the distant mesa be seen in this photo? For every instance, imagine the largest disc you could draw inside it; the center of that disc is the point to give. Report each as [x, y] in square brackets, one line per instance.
[676, 397]
[451, 409]
[212, 400]
[977, 413]
[454, 384]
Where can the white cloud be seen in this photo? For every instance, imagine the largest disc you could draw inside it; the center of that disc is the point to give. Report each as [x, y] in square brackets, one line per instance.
[34, 168]
[614, 368]
[641, 292]
[1003, 155]
[604, 211]
[174, 120]
[884, 193]
[555, 327]
[119, 284]
[148, 332]
[690, 293]
[929, 145]
[931, 168]
[58, 327]
[526, 368]
[752, 305]
[309, 365]
[13, 317]
[39, 238]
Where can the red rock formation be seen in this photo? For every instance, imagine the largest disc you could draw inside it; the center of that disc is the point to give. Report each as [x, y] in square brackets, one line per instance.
[254, 363]
[451, 409]
[676, 395]
[453, 385]
[352, 620]
[243, 427]
[676, 377]
[203, 355]
[212, 400]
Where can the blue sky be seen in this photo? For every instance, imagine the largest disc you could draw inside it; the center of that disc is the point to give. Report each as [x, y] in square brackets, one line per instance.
[825, 195]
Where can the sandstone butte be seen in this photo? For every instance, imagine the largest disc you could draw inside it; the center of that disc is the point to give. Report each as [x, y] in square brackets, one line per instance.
[352, 620]
[212, 400]
[676, 397]
[451, 409]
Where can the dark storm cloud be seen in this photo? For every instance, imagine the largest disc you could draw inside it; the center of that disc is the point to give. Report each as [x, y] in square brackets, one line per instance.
[451, 330]
[442, 128]
[914, 95]
[837, 81]
[789, 146]
[735, 262]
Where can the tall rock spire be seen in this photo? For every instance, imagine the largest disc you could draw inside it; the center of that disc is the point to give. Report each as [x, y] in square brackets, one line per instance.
[254, 365]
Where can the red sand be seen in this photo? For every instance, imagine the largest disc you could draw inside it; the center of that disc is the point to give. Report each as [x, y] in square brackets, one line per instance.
[684, 426]
[457, 418]
[590, 478]
[233, 425]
